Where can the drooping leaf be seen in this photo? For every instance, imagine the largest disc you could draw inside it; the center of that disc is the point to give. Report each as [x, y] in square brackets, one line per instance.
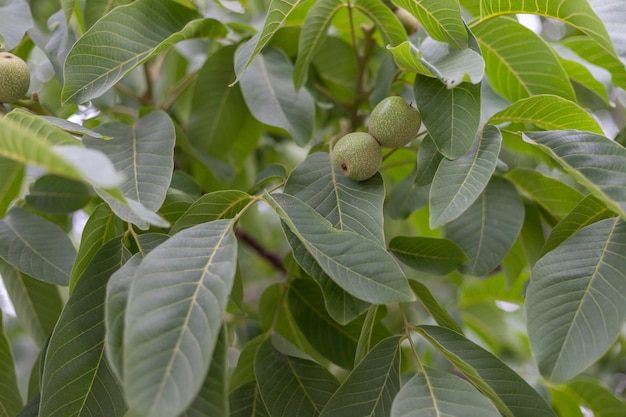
[441, 19]
[217, 205]
[76, 377]
[438, 313]
[36, 247]
[101, 227]
[291, 386]
[548, 112]
[588, 210]
[438, 393]
[112, 47]
[508, 391]
[595, 161]
[371, 386]
[357, 264]
[452, 116]
[143, 153]
[13, 174]
[271, 97]
[314, 32]
[10, 397]
[427, 254]
[457, 184]
[556, 197]
[575, 302]
[506, 46]
[168, 345]
[37, 304]
[56, 194]
[489, 227]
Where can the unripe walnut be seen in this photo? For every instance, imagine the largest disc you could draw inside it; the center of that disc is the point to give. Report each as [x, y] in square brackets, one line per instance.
[14, 78]
[357, 155]
[394, 122]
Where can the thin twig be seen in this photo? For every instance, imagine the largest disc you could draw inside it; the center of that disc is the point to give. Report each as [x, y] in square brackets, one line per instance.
[271, 257]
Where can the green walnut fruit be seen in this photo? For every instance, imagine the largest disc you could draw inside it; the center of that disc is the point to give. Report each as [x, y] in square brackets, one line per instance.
[394, 122]
[357, 155]
[14, 78]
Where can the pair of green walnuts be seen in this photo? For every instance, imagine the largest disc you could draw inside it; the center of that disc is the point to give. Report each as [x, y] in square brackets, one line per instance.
[14, 77]
[393, 123]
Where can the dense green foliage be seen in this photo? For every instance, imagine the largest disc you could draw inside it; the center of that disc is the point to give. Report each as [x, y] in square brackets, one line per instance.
[174, 240]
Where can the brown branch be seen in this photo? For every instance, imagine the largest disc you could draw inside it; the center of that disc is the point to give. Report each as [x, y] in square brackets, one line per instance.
[273, 258]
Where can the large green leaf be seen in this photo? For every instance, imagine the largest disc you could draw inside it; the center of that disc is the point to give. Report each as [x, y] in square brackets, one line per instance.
[441, 19]
[588, 210]
[37, 304]
[271, 97]
[337, 343]
[549, 112]
[143, 153]
[168, 344]
[556, 197]
[57, 195]
[452, 116]
[219, 113]
[314, 32]
[277, 13]
[576, 303]
[595, 397]
[489, 227]
[292, 386]
[126, 37]
[504, 387]
[579, 72]
[427, 254]
[430, 303]
[457, 184]
[36, 247]
[595, 161]
[594, 53]
[28, 139]
[12, 173]
[357, 264]
[217, 205]
[371, 386]
[76, 377]
[10, 397]
[437, 393]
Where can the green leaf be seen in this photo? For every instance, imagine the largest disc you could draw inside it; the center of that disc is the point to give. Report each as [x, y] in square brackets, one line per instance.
[176, 204]
[143, 153]
[224, 204]
[578, 71]
[10, 397]
[588, 211]
[36, 247]
[428, 159]
[219, 112]
[292, 386]
[31, 140]
[507, 47]
[598, 55]
[452, 116]
[357, 264]
[277, 13]
[556, 197]
[505, 388]
[437, 312]
[76, 377]
[115, 304]
[314, 32]
[438, 393]
[548, 112]
[371, 386]
[13, 174]
[168, 345]
[37, 304]
[337, 343]
[575, 303]
[573, 12]
[101, 227]
[612, 15]
[213, 396]
[336, 69]
[112, 47]
[271, 97]
[371, 332]
[489, 227]
[55, 194]
[457, 184]
[427, 254]
[246, 401]
[595, 397]
[441, 19]
[13, 30]
[595, 161]
[390, 28]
